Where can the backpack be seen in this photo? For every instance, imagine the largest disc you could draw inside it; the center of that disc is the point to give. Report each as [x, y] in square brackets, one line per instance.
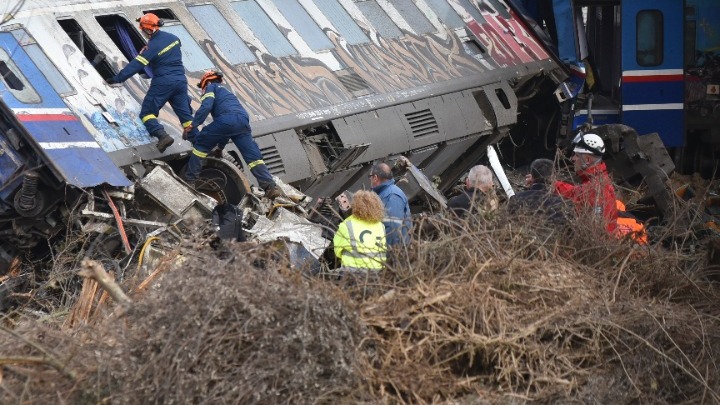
[227, 222]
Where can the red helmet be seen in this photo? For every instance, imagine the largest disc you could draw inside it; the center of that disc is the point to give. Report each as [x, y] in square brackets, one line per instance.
[150, 21]
[210, 76]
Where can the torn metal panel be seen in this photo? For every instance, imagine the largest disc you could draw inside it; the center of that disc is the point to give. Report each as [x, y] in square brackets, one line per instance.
[175, 196]
[290, 227]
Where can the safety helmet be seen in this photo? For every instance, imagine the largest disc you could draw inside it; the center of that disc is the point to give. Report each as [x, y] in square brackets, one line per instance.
[208, 77]
[589, 143]
[150, 21]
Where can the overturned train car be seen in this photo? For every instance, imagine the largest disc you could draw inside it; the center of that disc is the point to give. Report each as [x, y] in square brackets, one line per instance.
[331, 86]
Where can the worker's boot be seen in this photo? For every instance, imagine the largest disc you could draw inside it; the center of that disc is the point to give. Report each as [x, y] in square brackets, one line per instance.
[164, 139]
[273, 192]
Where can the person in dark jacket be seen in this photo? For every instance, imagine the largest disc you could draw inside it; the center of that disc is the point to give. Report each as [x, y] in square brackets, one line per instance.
[540, 198]
[397, 211]
[230, 122]
[169, 84]
[478, 195]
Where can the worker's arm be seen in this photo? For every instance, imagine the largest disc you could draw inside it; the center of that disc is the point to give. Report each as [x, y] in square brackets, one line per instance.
[137, 65]
[206, 105]
[566, 190]
[394, 218]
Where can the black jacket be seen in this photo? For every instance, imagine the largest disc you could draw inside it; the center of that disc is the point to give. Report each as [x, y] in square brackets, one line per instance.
[471, 199]
[539, 200]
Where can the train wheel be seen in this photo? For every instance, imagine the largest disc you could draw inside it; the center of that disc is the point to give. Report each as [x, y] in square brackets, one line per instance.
[223, 181]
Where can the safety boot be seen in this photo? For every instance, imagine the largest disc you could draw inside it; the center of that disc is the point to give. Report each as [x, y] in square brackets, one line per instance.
[273, 192]
[164, 139]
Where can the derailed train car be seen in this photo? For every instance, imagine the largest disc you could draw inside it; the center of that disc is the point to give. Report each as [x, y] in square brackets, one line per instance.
[330, 85]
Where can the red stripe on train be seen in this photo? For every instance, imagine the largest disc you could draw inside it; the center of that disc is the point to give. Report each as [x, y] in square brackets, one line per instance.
[45, 117]
[653, 78]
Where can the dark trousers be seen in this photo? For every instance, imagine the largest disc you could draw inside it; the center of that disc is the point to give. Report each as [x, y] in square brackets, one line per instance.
[236, 128]
[163, 91]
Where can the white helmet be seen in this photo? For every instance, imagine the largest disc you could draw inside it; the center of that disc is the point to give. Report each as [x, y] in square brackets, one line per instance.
[589, 143]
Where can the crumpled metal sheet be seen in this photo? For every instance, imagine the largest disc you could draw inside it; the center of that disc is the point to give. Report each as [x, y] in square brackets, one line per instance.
[288, 226]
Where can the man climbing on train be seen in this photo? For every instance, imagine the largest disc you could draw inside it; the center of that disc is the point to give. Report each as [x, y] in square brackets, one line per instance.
[169, 84]
[230, 122]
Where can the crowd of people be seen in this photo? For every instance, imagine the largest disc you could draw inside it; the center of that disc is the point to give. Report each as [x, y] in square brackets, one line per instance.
[360, 246]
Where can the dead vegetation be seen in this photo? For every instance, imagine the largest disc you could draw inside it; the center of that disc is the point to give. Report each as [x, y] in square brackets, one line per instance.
[484, 311]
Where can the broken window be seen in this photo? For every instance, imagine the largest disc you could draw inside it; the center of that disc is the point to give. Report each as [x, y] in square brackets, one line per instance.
[379, 19]
[15, 81]
[343, 22]
[264, 28]
[231, 45]
[87, 47]
[123, 34]
[194, 59]
[51, 72]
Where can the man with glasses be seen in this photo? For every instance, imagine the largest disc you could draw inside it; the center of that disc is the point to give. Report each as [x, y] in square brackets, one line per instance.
[397, 211]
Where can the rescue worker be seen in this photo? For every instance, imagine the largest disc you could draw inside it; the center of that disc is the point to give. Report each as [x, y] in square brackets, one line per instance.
[479, 193]
[397, 210]
[627, 224]
[168, 83]
[539, 198]
[595, 197]
[360, 242]
[230, 122]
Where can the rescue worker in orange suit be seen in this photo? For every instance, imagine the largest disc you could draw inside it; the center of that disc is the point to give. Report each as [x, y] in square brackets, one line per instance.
[595, 197]
[627, 224]
[230, 122]
[360, 241]
[168, 83]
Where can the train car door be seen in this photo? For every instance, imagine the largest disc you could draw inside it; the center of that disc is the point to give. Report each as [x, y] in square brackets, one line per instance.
[652, 68]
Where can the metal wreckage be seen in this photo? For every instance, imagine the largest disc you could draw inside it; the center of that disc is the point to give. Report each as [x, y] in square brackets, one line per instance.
[330, 89]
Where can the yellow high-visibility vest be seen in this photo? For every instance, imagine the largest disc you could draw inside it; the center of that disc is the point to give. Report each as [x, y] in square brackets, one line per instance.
[360, 244]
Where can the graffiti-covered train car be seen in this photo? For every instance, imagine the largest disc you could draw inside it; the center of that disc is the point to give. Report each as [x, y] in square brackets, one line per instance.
[330, 85]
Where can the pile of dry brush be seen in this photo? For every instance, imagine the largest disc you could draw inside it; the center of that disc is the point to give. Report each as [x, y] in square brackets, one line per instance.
[493, 310]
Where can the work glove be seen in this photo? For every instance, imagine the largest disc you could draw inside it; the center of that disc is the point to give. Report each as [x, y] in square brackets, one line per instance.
[111, 81]
[186, 132]
[98, 58]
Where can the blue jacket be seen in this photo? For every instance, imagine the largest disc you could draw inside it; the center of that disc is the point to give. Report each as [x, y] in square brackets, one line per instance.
[539, 200]
[162, 54]
[397, 213]
[217, 100]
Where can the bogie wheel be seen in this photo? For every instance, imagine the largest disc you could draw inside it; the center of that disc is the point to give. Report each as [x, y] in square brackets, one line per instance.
[223, 181]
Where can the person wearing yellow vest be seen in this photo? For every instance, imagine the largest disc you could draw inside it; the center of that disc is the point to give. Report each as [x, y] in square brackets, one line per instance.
[359, 242]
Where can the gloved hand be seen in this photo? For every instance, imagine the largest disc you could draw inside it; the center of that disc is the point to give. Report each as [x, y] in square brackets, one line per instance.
[111, 81]
[98, 58]
[186, 132]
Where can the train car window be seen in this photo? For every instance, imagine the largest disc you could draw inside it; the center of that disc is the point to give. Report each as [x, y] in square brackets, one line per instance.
[379, 19]
[446, 13]
[231, 45]
[649, 38]
[473, 11]
[346, 26]
[51, 72]
[18, 85]
[413, 16]
[123, 34]
[264, 28]
[87, 47]
[303, 24]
